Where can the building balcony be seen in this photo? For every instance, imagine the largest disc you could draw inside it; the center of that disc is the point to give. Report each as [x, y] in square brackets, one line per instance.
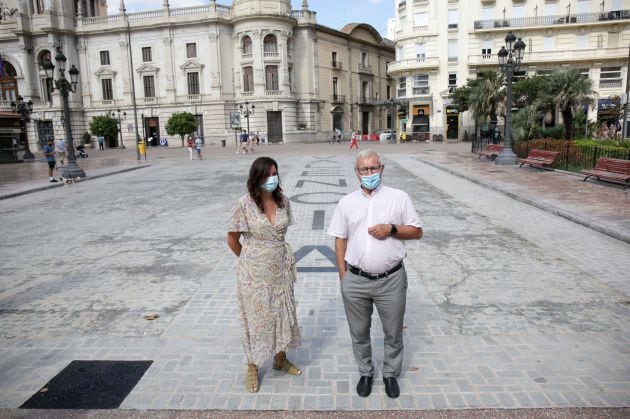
[605, 18]
[609, 84]
[420, 91]
[271, 55]
[367, 100]
[336, 65]
[364, 68]
[554, 56]
[273, 92]
[421, 63]
[337, 99]
[190, 98]
[149, 100]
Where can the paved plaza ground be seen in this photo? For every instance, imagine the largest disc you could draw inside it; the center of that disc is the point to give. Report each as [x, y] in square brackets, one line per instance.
[519, 292]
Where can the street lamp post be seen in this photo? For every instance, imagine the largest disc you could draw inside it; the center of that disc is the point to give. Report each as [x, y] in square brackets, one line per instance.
[246, 111]
[72, 169]
[24, 109]
[120, 117]
[509, 62]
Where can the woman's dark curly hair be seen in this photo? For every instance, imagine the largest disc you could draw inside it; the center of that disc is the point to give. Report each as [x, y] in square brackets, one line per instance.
[258, 174]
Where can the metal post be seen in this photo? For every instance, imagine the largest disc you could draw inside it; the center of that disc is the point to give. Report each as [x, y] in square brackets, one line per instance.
[72, 169]
[625, 106]
[507, 156]
[133, 97]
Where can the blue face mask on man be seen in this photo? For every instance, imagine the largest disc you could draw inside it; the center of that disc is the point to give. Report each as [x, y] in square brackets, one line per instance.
[371, 182]
[270, 184]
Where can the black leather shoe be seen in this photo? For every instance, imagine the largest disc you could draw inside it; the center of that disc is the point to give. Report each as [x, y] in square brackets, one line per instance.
[391, 387]
[364, 386]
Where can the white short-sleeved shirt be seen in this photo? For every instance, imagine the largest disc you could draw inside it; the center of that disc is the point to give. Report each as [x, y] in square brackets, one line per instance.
[356, 212]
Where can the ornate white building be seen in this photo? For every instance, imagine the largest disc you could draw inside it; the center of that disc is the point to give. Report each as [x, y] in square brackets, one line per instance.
[441, 43]
[303, 78]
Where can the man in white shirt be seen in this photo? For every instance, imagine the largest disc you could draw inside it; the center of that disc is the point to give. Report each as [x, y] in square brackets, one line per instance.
[369, 226]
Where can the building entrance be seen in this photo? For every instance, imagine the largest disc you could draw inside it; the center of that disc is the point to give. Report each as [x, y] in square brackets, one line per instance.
[274, 126]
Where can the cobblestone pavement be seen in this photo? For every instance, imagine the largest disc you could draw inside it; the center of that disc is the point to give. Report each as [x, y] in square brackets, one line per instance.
[510, 305]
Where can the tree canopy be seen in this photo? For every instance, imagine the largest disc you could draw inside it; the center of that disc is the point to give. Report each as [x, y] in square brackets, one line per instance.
[104, 126]
[181, 123]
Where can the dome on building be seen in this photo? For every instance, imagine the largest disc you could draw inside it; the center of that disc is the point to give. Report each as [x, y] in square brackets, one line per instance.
[270, 7]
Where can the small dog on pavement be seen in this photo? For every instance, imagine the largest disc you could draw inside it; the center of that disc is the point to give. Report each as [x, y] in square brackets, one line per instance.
[68, 181]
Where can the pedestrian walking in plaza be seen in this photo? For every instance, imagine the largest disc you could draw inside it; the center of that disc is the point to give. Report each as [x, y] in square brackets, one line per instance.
[60, 146]
[242, 142]
[49, 152]
[353, 140]
[191, 143]
[101, 143]
[370, 226]
[266, 272]
[198, 148]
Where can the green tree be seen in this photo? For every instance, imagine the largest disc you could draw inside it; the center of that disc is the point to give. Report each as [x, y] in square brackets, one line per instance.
[525, 124]
[568, 89]
[486, 96]
[181, 123]
[104, 126]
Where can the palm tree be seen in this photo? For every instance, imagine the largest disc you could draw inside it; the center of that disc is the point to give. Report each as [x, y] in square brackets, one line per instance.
[568, 89]
[486, 96]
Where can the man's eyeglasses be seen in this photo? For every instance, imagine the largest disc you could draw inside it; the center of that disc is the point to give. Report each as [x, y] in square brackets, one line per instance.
[370, 169]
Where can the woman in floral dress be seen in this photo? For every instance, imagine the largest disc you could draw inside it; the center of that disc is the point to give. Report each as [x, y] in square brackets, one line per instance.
[265, 271]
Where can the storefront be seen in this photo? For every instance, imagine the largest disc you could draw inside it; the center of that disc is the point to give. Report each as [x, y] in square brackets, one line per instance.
[12, 137]
[420, 122]
[452, 123]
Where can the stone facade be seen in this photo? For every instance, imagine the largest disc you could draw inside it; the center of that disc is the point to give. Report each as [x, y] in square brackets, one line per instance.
[207, 60]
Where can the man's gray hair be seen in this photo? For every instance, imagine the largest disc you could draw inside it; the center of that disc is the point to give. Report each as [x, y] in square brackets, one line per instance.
[368, 153]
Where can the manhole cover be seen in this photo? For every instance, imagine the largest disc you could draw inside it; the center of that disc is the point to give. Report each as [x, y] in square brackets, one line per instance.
[89, 385]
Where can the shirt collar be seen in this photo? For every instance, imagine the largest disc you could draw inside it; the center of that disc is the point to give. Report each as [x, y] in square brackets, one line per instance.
[374, 191]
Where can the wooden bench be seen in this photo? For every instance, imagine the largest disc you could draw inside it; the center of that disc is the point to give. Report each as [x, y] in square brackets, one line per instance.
[539, 158]
[491, 151]
[614, 170]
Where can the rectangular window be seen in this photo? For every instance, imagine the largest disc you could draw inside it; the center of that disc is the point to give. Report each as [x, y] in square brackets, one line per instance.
[365, 92]
[402, 87]
[335, 87]
[616, 5]
[421, 52]
[364, 59]
[550, 9]
[610, 77]
[581, 41]
[452, 80]
[420, 84]
[420, 20]
[400, 54]
[146, 54]
[272, 78]
[549, 43]
[108, 93]
[248, 79]
[388, 91]
[452, 50]
[518, 12]
[149, 86]
[334, 59]
[486, 48]
[487, 12]
[584, 6]
[191, 50]
[613, 39]
[453, 18]
[104, 57]
[193, 83]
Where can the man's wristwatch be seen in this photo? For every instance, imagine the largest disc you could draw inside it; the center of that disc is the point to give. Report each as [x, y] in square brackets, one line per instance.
[393, 231]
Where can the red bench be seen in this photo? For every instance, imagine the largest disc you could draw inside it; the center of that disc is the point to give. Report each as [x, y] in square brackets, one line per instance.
[614, 170]
[539, 158]
[491, 151]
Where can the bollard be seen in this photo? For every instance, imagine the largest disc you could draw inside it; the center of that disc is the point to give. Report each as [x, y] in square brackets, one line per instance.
[141, 147]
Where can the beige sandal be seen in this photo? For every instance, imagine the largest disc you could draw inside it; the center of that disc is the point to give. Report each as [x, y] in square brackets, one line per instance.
[280, 362]
[251, 378]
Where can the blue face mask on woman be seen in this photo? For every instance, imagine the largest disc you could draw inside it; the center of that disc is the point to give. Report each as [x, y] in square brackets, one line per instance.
[270, 184]
[371, 182]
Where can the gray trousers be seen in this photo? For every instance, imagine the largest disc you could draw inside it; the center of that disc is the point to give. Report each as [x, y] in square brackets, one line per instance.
[389, 295]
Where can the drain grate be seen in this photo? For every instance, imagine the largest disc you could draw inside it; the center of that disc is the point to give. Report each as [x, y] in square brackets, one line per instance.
[89, 385]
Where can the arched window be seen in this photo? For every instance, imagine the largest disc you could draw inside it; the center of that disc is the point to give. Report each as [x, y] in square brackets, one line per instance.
[247, 45]
[270, 44]
[8, 84]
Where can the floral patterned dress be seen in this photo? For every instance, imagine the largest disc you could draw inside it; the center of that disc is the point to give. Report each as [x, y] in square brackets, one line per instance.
[265, 276]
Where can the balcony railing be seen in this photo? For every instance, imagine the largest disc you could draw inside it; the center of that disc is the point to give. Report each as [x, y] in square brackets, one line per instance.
[555, 56]
[420, 91]
[609, 84]
[603, 17]
[271, 55]
[149, 100]
[338, 98]
[415, 64]
[367, 100]
[273, 92]
[364, 68]
[336, 65]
